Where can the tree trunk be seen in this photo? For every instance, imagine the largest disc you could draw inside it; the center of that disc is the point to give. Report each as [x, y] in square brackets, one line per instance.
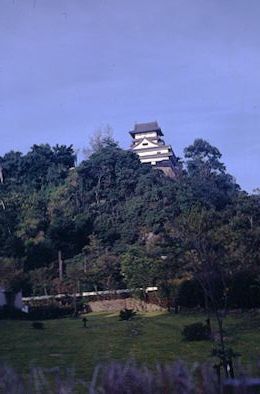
[85, 265]
[222, 343]
[60, 265]
[45, 290]
[75, 313]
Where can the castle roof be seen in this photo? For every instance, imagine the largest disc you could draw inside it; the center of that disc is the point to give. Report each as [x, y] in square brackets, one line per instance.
[141, 128]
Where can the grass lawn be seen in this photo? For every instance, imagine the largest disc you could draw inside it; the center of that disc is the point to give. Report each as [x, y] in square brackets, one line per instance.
[150, 338]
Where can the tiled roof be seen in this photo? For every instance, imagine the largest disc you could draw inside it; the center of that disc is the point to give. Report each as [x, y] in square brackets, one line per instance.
[146, 128]
[143, 127]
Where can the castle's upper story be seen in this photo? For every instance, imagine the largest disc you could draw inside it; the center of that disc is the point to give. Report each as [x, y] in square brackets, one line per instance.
[149, 145]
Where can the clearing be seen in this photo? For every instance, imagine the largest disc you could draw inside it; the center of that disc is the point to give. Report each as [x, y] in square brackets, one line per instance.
[150, 338]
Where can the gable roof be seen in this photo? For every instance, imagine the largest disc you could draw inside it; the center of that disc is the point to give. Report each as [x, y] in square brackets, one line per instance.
[147, 141]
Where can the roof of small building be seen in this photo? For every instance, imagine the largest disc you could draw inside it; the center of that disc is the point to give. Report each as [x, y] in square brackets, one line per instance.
[146, 127]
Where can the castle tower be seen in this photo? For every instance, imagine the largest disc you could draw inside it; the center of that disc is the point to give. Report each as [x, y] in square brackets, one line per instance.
[150, 147]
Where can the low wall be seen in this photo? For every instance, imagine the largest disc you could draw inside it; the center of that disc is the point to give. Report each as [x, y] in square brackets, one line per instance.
[117, 304]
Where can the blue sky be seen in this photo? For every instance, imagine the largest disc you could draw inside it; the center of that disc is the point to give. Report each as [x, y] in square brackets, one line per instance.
[70, 67]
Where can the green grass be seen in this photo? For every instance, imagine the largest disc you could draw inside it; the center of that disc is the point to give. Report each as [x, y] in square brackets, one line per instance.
[150, 338]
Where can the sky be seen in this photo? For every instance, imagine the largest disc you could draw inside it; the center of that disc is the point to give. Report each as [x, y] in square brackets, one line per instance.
[71, 67]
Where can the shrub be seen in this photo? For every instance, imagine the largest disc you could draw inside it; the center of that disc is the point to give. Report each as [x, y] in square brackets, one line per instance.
[196, 332]
[244, 290]
[190, 294]
[127, 314]
[45, 312]
[8, 312]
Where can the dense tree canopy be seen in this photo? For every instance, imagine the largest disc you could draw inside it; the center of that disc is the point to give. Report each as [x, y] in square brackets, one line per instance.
[116, 222]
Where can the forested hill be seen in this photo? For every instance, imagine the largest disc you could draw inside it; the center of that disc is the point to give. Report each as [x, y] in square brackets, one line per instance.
[112, 219]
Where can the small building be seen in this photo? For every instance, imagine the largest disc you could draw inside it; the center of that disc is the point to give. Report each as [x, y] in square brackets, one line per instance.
[149, 145]
[17, 301]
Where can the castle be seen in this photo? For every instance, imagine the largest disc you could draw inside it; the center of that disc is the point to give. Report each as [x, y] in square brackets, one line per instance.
[150, 147]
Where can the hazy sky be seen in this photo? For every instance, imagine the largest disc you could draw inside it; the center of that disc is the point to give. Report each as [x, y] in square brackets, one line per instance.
[69, 67]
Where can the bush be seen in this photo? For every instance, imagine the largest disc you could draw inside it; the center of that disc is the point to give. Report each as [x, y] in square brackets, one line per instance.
[45, 312]
[190, 294]
[196, 332]
[244, 290]
[8, 312]
[127, 314]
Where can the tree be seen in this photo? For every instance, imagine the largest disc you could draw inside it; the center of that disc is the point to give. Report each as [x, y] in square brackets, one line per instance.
[167, 253]
[138, 270]
[206, 263]
[11, 169]
[100, 139]
[75, 274]
[41, 280]
[50, 208]
[208, 181]
[203, 158]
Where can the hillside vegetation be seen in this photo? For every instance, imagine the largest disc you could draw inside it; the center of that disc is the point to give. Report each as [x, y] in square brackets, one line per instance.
[115, 222]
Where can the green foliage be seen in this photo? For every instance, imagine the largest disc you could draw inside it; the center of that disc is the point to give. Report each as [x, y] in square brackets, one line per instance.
[138, 270]
[12, 277]
[41, 165]
[203, 158]
[208, 182]
[244, 291]
[190, 294]
[113, 218]
[49, 311]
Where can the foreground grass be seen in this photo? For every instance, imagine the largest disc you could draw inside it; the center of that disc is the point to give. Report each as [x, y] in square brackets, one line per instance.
[150, 338]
